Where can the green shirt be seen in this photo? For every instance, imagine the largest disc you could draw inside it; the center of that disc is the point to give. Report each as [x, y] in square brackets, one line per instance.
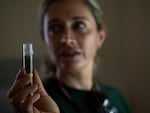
[85, 101]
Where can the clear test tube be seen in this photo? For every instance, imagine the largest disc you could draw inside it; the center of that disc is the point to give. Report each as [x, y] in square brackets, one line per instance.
[28, 59]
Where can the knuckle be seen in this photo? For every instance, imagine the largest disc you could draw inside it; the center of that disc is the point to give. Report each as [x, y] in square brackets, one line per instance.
[31, 89]
[10, 92]
[29, 99]
[12, 101]
[27, 107]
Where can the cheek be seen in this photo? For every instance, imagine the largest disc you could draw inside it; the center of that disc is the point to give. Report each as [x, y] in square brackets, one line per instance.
[89, 45]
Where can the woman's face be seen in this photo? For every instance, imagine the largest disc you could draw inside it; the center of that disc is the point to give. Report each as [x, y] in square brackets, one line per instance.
[71, 35]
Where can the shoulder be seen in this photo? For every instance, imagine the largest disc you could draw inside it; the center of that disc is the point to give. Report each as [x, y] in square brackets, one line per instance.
[116, 97]
[109, 90]
[112, 93]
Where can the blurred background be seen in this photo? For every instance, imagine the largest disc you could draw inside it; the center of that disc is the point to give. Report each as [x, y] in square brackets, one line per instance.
[125, 56]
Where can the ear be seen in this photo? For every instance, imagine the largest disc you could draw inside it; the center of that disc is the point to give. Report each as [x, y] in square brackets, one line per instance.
[101, 36]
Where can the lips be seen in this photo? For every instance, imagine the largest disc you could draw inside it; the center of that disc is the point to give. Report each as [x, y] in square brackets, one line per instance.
[69, 53]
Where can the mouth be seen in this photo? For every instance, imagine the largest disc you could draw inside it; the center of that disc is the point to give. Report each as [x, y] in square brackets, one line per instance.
[69, 54]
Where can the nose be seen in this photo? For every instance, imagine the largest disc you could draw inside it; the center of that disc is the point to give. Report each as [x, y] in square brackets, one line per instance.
[67, 37]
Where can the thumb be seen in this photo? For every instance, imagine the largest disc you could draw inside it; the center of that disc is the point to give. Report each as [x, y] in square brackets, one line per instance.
[38, 82]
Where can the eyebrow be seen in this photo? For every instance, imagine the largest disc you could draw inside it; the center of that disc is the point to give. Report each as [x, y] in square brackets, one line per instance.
[53, 20]
[78, 18]
[58, 20]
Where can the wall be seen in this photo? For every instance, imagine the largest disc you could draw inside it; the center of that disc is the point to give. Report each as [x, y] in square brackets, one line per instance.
[19, 23]
[124, 56]
[136, 52]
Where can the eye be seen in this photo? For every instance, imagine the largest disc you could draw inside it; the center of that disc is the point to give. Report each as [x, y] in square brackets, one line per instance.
[54, 28]
[79, 25]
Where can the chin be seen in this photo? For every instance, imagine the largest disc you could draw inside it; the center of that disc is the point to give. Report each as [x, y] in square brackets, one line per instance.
[71, 66]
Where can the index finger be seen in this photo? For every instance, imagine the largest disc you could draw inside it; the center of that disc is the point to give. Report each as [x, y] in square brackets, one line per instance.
[21, 81]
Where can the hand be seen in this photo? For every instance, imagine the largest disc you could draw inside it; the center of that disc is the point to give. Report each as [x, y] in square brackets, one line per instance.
[23, 102]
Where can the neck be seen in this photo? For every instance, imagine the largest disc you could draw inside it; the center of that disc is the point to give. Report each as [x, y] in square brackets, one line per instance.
[82, 79]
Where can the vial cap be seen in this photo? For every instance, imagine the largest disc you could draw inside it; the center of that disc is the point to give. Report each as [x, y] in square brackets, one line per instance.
[27, 49]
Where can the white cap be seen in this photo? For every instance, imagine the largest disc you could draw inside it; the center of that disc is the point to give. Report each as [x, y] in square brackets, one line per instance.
[27, 49]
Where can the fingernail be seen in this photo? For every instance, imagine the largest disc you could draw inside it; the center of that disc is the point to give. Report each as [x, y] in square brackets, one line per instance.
[19, 74]
[22, 101]
[37, 95]
[23, 71]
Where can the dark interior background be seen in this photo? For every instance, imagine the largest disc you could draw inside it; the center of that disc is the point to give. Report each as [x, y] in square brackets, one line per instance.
[124, 57]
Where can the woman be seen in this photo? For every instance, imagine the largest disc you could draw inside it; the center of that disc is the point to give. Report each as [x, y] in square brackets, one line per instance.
[72, 31]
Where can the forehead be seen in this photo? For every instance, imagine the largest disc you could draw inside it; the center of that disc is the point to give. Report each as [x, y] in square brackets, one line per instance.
[68, 8]
[67, 3]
